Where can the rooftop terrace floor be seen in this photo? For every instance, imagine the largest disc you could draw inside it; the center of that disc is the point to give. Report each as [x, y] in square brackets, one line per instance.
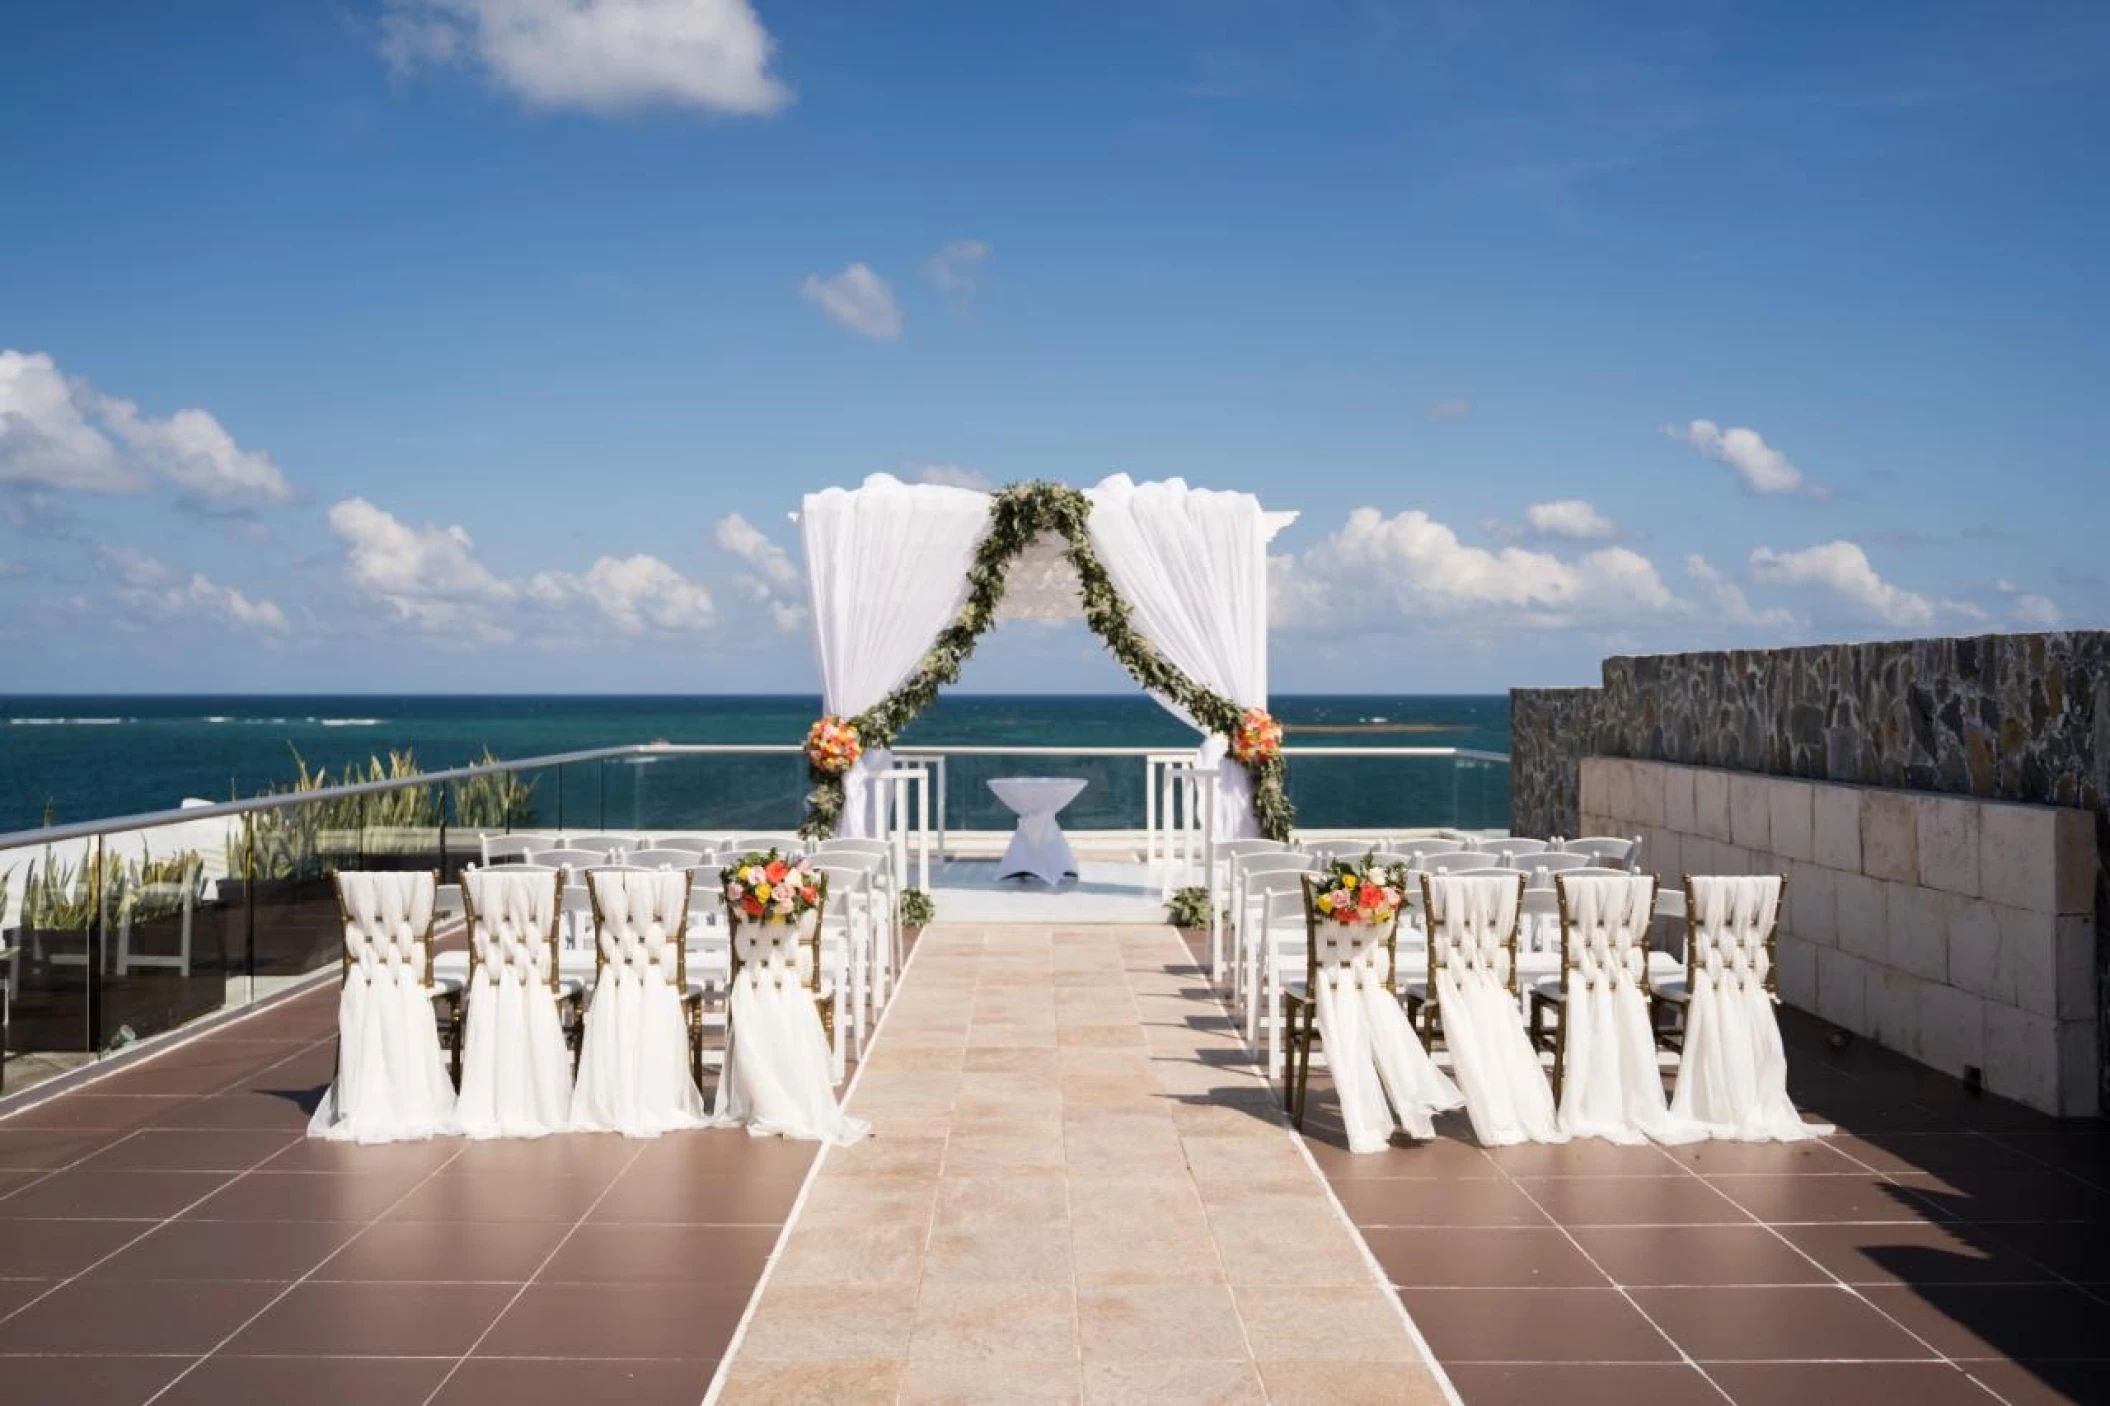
[1078, 1190]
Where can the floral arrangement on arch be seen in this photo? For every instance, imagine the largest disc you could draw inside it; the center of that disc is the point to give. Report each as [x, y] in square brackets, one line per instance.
[1359, 892]
[833, 746]
[1258, 739]
[769, 888]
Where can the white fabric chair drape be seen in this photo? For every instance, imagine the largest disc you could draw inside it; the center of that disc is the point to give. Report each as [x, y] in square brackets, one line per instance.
[1472, 921]
[1192, 566]
[1733, 1076]
[634, 1074]
[779, 1077]
[391, 1082]
[1371, 1052]
[516, 1071]
[886, 570]
[1611, 1086]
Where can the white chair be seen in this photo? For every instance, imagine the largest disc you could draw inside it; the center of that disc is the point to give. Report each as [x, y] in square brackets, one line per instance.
[695, 844]
[1244, 868]
[391, 1083]
[1471, 997]
[1608, 850]
[1326, 851]
[568, 857]
[500, 848]
[641, 1056]
[781, 1011]
[1225, 888]
[660, 857]
[1732, 1070]
[607, 846]
[516, 1067]
[180, 895]
[849, 935]
[783, 841]
[1593, 1013]
[877, 855]
[1275, 951]
[1511, 850]
[1457, 861]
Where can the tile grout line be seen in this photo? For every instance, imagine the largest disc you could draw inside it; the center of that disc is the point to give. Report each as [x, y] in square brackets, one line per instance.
[713, 1389]
[289, 1288]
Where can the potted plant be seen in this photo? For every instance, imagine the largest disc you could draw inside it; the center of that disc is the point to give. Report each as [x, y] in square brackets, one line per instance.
[918, 910]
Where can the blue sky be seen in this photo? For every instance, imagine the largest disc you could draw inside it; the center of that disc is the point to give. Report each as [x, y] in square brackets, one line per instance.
[486, 344]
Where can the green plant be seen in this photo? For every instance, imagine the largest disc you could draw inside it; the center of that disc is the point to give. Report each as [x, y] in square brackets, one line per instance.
[917, 908]
[62, 897]
[1188, 907]
[1017, 515]
[150, 889]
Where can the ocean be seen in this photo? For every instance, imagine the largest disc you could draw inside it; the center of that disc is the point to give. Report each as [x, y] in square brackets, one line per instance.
[80, 758]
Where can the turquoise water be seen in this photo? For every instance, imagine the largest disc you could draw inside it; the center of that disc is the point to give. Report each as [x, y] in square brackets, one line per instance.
[88, 757]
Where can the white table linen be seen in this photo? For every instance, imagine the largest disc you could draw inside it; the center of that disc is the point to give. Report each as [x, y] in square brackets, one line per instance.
[1038, 848]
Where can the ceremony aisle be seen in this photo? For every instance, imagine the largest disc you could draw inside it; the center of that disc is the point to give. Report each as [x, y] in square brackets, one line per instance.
[1076, 1186]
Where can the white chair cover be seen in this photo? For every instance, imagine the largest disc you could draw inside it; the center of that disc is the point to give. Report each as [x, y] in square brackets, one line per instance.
[516, 1072]
[1734, 1074]
[1472, 919]
[634, 1074]
[1371, 1051]
[779, 1075]
[392, 1082]
[1611, 1085]
[886, 566]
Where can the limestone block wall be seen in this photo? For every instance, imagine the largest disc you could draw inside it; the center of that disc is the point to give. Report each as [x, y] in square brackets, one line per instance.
[1958, 931]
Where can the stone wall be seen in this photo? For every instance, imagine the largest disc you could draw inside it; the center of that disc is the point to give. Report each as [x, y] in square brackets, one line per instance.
[1957, 931]
[2001, 717]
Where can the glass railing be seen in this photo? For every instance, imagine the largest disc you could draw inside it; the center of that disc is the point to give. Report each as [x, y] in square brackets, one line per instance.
[116, 932]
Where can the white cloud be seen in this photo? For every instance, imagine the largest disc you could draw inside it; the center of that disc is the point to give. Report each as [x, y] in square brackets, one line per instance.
[149, 588]
[432, 579]
[633, 594]
[1410, 568]
[58, 431]
[602, 56]
[858, 299]
[772, 580]
[1727, 603]
[2035, 611]
[1567, 517]
[225, 604]
[953, 476]
[1843, 570]
[131, 566]
[1455, 407]
[957, 268]
[1763, 468]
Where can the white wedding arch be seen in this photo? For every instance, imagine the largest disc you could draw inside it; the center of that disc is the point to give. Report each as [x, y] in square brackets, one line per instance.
[905, 577]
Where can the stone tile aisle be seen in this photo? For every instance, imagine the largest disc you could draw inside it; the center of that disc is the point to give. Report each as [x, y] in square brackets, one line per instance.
[1079, 1190]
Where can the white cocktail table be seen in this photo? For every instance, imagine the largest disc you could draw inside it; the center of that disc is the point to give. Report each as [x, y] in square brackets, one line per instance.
[1039, 847]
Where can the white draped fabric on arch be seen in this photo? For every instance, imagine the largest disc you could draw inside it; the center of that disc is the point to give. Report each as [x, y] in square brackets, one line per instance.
[887, 563]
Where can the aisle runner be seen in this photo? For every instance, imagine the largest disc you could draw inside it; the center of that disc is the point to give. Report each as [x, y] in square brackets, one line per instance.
[1077, 1189]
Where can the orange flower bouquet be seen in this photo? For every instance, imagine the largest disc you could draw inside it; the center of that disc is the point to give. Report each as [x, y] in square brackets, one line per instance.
[1368, 894]
[1258, 739]
[832, 746]
[768, 888]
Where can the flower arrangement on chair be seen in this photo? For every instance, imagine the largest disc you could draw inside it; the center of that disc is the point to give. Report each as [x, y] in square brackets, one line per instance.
[1357, 892]
[768, 888]
[833, 746]
[1258, 739]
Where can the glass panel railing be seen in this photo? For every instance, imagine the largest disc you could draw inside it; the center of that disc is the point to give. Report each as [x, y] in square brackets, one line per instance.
[1398, 792]
[655, 793]
[496, 803]
[168, 952]
[50, 899]
[1112, 798]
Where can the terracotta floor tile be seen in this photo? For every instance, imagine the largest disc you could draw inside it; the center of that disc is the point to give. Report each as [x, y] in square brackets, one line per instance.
[1771, 1324]
[130, 1317]
[656, 1196]
[1584, 1384]
[88, 1381]
[374, 1320]
[692, 1321]
[276, 1196]
[1822, 1383]
[1917, 1253]
[671, 1254]
[311, 1381]
[497, 1381]
[83, 1194]
[1609, 1200]
[496, 1196]
[1696, 1254]
[1523, 1257]
[1438, 1203]
[199, 1250]
[1788, 1200]
[2044, 1383]
[60, 1249]
[504, 1252]
[86, 1110]
[1534, 1325]
[48, 1149]
[2038, 1321]
[203, 1150]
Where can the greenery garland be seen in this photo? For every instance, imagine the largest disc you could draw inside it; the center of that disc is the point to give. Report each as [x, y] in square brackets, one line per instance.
[1017, 515]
